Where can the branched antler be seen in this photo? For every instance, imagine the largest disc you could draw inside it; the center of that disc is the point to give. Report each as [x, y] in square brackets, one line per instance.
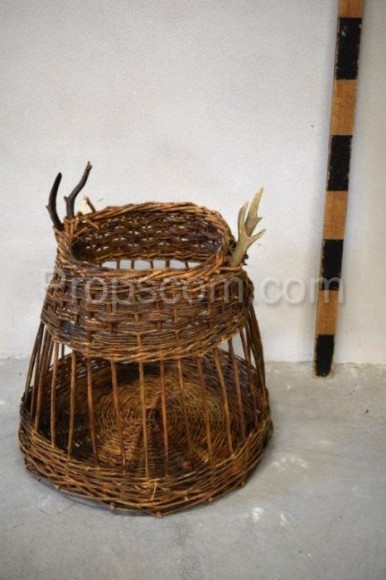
[246, 225]
[70, 200]
[52, 203]
[252, 218]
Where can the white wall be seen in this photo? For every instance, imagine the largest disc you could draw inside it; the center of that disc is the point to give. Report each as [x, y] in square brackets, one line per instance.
[193, 100]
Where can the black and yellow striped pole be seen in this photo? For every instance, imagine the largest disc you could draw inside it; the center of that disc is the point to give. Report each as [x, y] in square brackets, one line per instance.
[341, 131]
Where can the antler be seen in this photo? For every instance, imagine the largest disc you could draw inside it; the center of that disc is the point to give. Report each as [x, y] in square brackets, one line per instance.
[246, 226]
[70, 200]
[52, 203]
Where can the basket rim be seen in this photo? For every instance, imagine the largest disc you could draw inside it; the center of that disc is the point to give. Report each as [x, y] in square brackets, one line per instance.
[77, 227]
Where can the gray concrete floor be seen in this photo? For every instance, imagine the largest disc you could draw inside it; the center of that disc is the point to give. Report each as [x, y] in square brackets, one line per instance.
[314, 509]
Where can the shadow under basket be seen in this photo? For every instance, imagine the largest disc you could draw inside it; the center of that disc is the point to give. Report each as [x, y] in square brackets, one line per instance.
[146, 386]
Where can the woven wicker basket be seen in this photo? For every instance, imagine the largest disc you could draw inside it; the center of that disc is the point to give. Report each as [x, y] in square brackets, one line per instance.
[146, 386]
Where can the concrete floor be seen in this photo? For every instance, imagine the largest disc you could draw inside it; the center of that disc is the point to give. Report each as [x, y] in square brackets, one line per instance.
[315, 509]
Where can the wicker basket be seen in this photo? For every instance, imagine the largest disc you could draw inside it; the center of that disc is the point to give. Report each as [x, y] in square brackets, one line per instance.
[146, 386]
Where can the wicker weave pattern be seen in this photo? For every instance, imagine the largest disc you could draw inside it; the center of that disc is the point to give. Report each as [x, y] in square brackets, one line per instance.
[148, 314]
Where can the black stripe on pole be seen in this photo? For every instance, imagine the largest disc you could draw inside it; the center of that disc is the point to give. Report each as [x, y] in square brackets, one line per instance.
[349, 35]
[324, 353]
[339, 163]
[331, 264]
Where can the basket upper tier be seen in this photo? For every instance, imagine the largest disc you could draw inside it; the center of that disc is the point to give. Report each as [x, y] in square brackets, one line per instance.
[177, 297]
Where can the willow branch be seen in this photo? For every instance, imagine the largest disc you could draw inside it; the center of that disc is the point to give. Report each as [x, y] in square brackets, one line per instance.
[86, 203]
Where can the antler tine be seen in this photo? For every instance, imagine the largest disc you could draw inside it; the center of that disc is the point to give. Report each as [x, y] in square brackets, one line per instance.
[252, 218]
[70, 200]
[241, 217]
[51, 207]
[246, 225]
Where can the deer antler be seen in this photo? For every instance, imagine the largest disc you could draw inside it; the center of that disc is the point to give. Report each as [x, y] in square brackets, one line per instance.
[52, 203]
[70, 200]
[246, 225]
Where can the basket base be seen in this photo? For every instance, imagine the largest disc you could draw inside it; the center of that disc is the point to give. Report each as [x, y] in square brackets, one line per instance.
[198, 445]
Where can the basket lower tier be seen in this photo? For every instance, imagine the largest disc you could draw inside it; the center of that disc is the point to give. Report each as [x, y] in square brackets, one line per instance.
[155, 437]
